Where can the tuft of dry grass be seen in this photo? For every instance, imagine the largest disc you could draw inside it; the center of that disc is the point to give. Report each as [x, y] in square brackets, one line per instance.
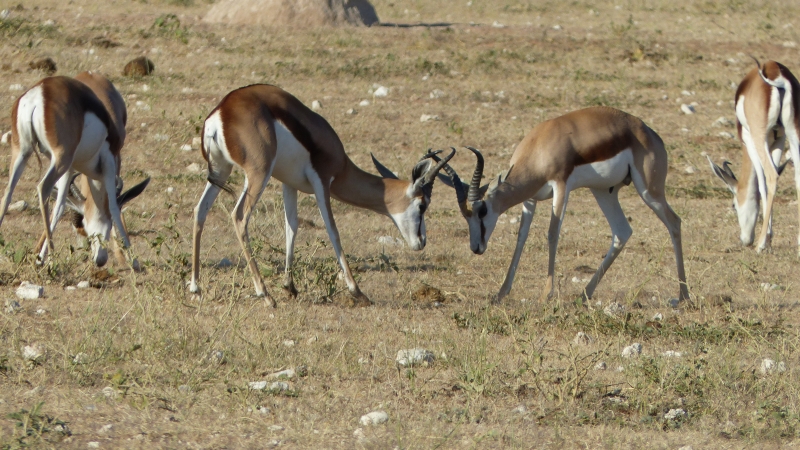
[134, 361]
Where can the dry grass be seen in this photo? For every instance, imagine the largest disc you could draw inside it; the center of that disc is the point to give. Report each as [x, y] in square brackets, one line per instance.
[146, 340]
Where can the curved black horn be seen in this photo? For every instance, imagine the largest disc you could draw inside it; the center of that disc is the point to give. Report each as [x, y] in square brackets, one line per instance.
[474, 193]
[430, 176]
[454, 182]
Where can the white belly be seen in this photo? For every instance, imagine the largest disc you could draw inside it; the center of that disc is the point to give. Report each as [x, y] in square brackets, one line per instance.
[602, 174]
[292, 161]
[93, 141]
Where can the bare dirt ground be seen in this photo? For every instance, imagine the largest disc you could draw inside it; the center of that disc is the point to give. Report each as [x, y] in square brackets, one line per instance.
[136, 362]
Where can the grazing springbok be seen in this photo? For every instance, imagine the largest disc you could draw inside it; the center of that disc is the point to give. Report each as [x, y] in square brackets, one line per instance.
[269, 133]
[597, 148]
[80, 124]
[766, 106]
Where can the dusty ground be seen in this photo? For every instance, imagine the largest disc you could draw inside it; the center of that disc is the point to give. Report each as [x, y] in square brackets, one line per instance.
[508, 376]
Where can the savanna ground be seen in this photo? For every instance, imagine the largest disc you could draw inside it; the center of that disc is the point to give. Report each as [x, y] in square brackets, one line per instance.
[146, 366]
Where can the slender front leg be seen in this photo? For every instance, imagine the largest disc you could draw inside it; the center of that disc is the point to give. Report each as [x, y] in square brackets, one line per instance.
[200, 212]
[110, 184]
[19, 157]
[560, 197]
[290, 213]
[620, 233]
[528, 208]
[241, 216]
[63, 186]
[324, 202]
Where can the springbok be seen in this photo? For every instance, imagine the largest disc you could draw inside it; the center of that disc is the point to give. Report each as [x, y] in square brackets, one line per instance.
[766, 118]
[80, 124]
[268, 132]
[598, 148]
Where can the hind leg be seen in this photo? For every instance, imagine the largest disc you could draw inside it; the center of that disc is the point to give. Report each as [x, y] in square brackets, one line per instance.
[63, 186]
[793, 136]
[19, 158]
[200, 213]
[290, 213]
[620, 233]
[59, 167]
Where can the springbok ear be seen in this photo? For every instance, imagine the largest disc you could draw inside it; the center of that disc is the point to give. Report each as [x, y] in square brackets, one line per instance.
[132, 193]
[725, 174]
[385, 173]
[420, 169]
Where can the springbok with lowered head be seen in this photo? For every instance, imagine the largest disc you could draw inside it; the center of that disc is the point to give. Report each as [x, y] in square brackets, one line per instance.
[79, 123]
[766, 104]
[598, 148]
[269, 133]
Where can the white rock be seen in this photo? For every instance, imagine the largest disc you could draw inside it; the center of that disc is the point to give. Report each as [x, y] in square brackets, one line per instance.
[690, 170]
[80, 358]
[6, 139]
[351, 112]
[28, 291]
[19, 206]
[769, 366]
[658, 317]
[16, 87]
[381, 91]
[437, 93]
[289, 343]
[216, 357]
[620, 368]
[170, 190]
[374, 418]
[41, 312]
[34, 352]
[70, 288]
[674, 414]
[4, 14]
[521, 409]
[161, 137]
[142, 105]
[601, 365]
[93, 444]
[558, 27]
[386, 240]
[257, 385]
[186, 147]
[686, 447]
[632, 350]
[687, 93]
[687, 109]
[414, 357]
[316, 105]
[287, 374]
[789, 44]
[187, 90]
[771, 287]
[722, 122]
[363, 103]
[428, 117]
[614, 310]
[109, 392]
[83, 285]
[726, 135]
[12, 306]
[106, 428]
[275, 428]
[497, 24]
[582, 338]
[671, 354]
[194, 168]
[513, 220]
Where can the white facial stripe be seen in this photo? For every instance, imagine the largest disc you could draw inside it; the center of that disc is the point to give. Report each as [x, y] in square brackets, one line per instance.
[411, 224]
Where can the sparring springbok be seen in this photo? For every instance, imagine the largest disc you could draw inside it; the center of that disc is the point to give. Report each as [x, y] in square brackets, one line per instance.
[269, 133]
[766, 118]
[597, 148]
[80, 124]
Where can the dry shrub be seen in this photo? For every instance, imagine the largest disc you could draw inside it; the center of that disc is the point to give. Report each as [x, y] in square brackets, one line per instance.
[427, 294]
[139, 67]
[46, 65]
[294, 13]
